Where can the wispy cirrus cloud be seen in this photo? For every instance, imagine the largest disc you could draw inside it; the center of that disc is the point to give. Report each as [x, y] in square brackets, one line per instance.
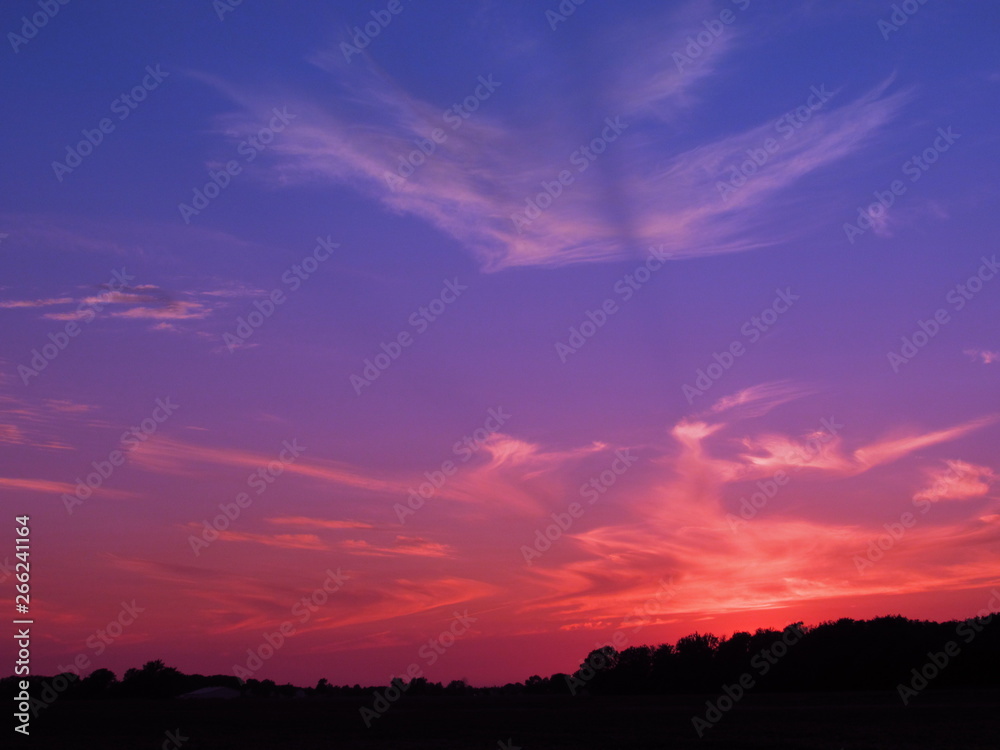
[497, 475]
[282, 541]
[131, 239]
[57, 488]
[405, 546]
[483, 172]
[43, 302]
[772, 452]
[958, 480]
[670, 521]
[174, 310]
[986, 356]
[893, 448]
[234, 602]
[171, 456]
[680, 527]
[507, 450]
[318, 523]
[147, 301]
[41, 423]
[64, 406]
[758, 400]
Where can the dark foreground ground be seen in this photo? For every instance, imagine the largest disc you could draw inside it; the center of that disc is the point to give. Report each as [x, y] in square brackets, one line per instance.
[956, 720]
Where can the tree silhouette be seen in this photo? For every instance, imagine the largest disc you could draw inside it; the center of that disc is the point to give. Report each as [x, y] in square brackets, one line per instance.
[97, 684]
[877, 654]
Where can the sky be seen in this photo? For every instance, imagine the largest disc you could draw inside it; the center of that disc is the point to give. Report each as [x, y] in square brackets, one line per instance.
[343, 337]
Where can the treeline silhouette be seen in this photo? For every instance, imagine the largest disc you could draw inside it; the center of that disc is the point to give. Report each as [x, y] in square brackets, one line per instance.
[845, 655]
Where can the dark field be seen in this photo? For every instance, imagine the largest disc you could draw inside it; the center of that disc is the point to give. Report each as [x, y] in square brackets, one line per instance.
[944, 720]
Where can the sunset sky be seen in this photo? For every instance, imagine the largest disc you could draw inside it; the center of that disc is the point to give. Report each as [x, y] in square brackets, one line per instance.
[610, 272]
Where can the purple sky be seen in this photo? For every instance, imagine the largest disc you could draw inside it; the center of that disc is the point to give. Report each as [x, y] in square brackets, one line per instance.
[506, 313]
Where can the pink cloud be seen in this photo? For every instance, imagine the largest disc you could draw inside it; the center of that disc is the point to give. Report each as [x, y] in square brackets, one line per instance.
[758, 400]
[679, 527]
[959, 481]
[484, 172]
[168, 455]
[401, 546]
[891, 449]
[284, 541]
[44, 302]
[177, 310]
[319, 523]
[49, 486]
[986, 356]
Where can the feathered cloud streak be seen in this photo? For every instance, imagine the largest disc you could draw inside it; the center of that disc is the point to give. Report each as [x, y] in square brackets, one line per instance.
[476, 179]
[679, 515]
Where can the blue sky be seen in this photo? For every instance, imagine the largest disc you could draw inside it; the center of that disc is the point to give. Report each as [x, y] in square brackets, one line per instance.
[734, 139]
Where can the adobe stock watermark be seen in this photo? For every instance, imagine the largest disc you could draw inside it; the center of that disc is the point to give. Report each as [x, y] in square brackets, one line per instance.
[302, 611]
[958, 297]
[752, 329]
[592, 489]
[937, 662]
[786, 126]
[101, 638]
[901, 13]
[421, 320]
[249, 149]
[769, 488]
[761, 664]
[363, 36]
[258, 481]
[915, 167]
[702, 40]
[51, 690]
[626, 288]
[455, 116]
[896, 530]
[67, 675]
[429, 654]
[464, 448]
[7, 569]
[173, 740]
[637, 619]
[129, 440]
[30, 26]
[123, 106]
[223, 7]
[87, 311]
[562, 12]
[292, 278]
[104, 637]
[581, 158]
